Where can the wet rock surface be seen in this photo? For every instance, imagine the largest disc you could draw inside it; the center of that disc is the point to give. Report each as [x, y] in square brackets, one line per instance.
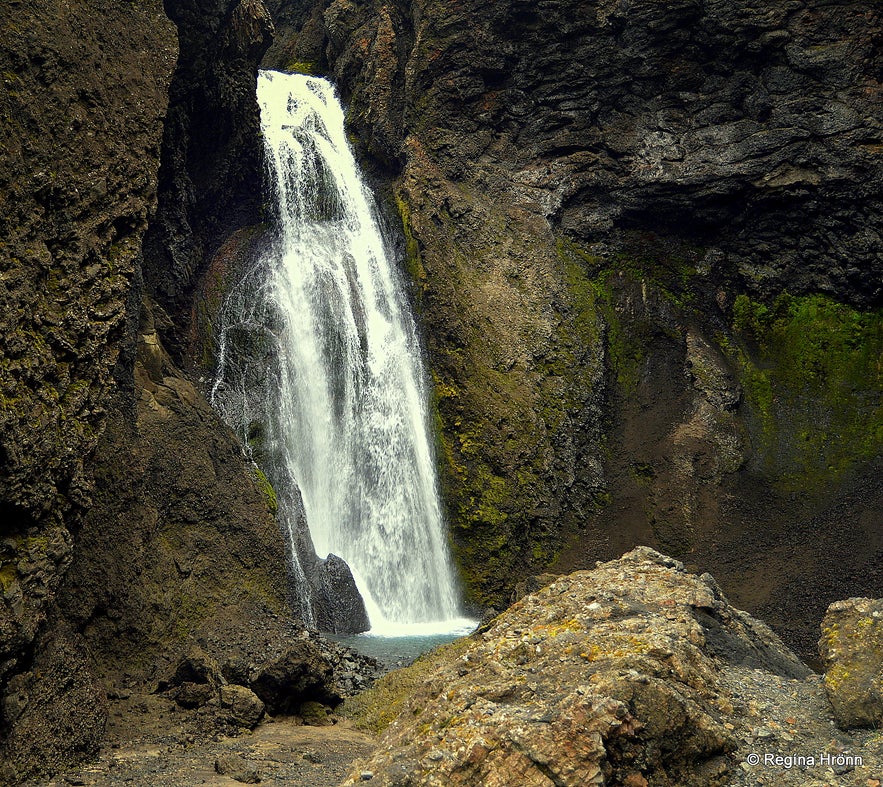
[339, 608]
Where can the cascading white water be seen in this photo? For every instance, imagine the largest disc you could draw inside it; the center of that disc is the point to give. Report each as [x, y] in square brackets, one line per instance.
[352, 409]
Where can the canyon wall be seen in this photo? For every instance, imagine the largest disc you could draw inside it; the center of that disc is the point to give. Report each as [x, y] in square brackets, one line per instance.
[132, 526]
[645, 249]
[645, 253]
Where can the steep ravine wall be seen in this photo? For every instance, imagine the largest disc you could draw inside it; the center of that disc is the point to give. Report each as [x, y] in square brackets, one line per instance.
[81, 112]
[646, 253]
[131, 524]
[603, 209]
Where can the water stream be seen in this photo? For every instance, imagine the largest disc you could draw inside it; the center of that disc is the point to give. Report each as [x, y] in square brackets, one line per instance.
[347, 422]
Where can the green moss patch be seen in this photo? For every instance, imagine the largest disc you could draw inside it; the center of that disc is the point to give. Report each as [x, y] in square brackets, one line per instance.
[267, 488]
[308, 67]
[374, 709]
[812, 374]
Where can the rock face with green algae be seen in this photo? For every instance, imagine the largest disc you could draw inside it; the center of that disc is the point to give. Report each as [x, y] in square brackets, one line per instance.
[587, 190]
[517, 356]
[851, 648]
[608, 676]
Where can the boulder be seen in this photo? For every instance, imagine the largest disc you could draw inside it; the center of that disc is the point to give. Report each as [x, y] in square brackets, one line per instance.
[197, 667]
[299, 674]
[244, 707]
[237, 768]
[315, 714]
[194, 695]
[610, 676]
[196, 679]
[337, 603]
[851, 648]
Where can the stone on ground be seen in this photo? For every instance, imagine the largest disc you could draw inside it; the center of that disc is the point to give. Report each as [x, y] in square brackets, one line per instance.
[610, 676]
[851, 648]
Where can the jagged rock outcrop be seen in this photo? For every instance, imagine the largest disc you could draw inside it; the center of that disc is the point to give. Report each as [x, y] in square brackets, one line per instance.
[273, 665]
[610, 676]
[851, 648]
[178, 502]
[746, 127]
[178, 544]
[210, 177]
[646, 253]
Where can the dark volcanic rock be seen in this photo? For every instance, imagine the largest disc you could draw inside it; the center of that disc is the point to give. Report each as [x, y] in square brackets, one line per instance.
[54, 713]
[181, 541]
[750, 127]
[210, 178]
[299, 674]
[245, 707]
[338, 605]
[80, 114]
[84, 93]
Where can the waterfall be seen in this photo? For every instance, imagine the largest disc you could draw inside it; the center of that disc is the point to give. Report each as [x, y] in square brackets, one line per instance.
[348, 425]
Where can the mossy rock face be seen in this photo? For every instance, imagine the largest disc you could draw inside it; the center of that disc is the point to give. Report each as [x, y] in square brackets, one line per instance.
[515, 343]
[812, 375]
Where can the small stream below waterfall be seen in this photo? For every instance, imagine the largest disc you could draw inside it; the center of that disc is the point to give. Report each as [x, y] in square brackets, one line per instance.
[321, 373]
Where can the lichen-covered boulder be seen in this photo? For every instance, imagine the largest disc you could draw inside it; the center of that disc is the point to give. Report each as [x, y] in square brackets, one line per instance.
[851, 648]
[237, 768]
[608, 676]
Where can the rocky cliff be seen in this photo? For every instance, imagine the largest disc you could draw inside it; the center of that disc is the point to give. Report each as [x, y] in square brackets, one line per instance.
[81, 113]
[132, 526]
[645, 247]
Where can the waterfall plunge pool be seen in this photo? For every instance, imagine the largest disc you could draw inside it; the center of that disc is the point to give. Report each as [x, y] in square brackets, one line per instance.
[398, 645]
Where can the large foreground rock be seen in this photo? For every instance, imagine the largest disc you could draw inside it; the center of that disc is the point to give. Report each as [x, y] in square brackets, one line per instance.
[851, 648]
[611, 676]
